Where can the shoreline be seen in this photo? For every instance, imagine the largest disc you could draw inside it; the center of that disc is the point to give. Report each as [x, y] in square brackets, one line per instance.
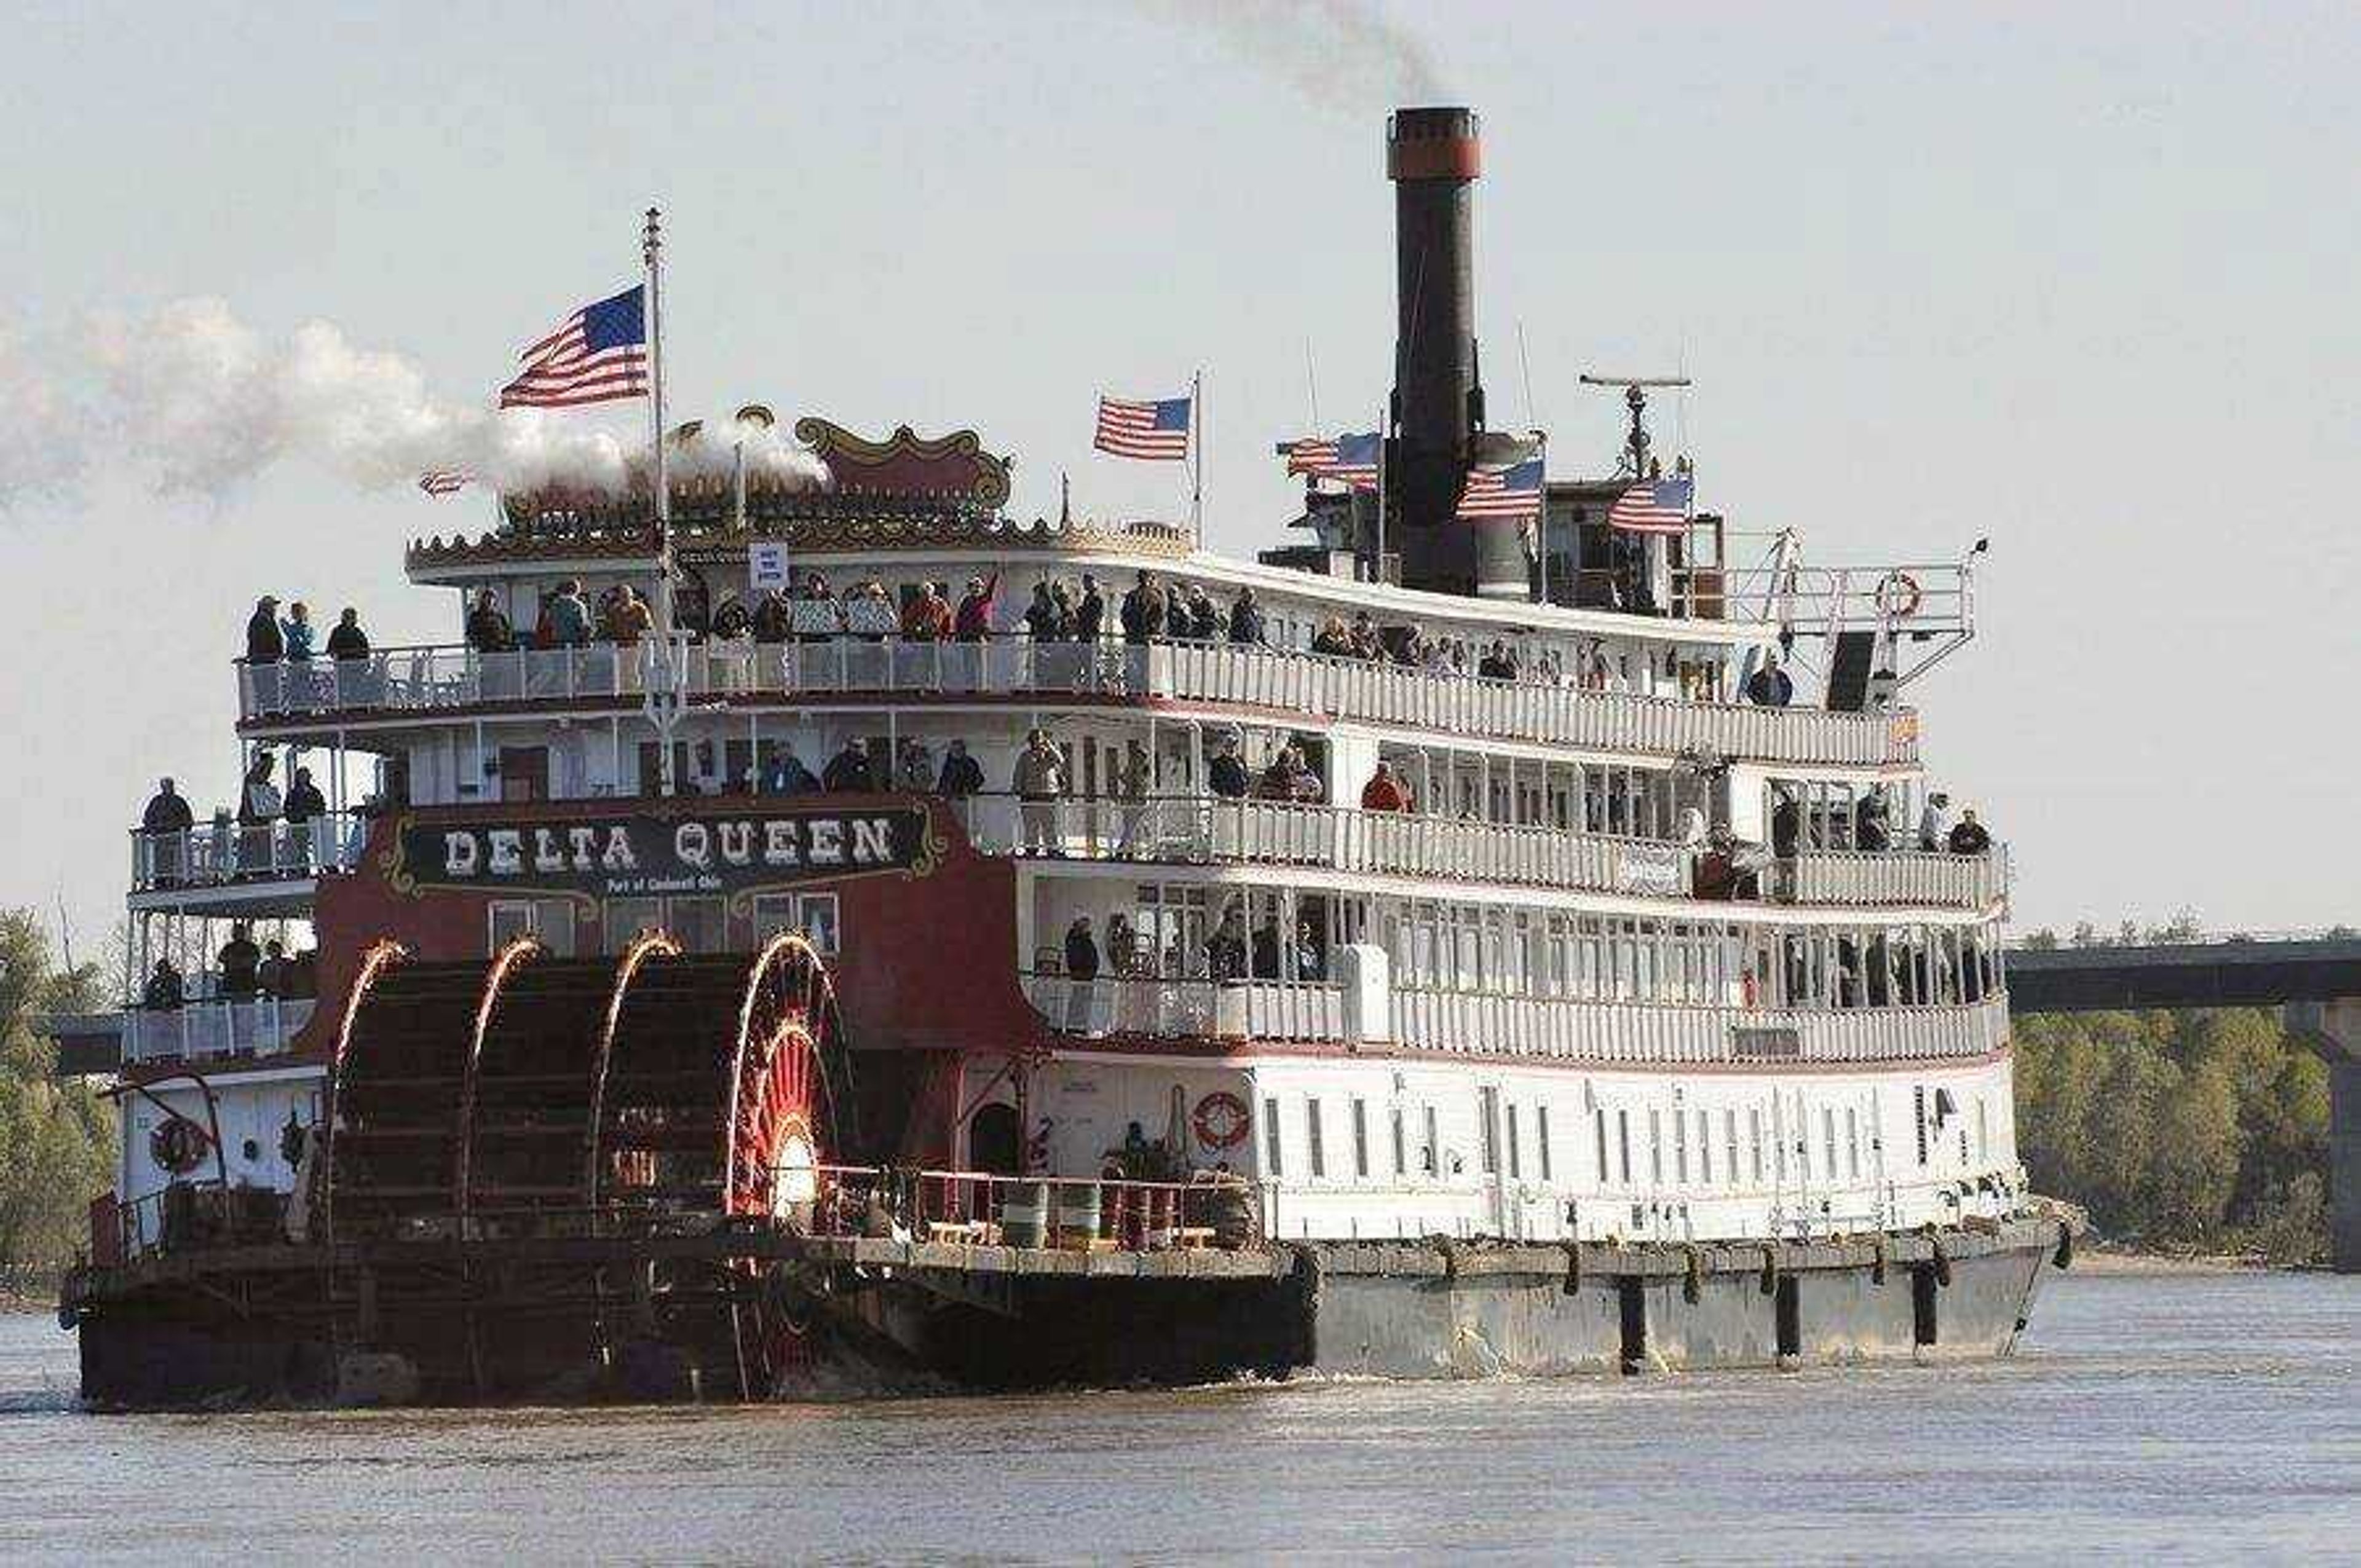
[2108, 1262]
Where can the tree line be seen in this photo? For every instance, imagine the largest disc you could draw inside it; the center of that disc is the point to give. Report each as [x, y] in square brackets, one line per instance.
[2192, 1130]
[57, 1137]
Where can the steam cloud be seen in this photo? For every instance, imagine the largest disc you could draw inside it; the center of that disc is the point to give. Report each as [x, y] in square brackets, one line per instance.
[199, 403]
[1341, 54]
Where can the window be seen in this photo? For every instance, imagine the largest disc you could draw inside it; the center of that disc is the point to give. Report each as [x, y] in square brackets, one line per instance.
[551, 919]
[1624, 1140]
[1656, 1148]
[1983, 1129]
[813, 914]
[628, 918]
[1314, 1142]
[1705, 1146]
[1754, 1138]
[1272, 1158]
[1601, 1130]
[1828, 1139]
[1918, 1115]
[1729, 1145]
[1680, 1147]
[700, 923]
[1361, 1139]
[1542, 1140]
[1488, 1133]
[510, 921]
[1516, 1172]
[1434, 1155]
[1401, 1143]
[1852, 1142]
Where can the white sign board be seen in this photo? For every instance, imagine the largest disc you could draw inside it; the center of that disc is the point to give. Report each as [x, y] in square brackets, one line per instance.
[1655, 870]
[766, 566]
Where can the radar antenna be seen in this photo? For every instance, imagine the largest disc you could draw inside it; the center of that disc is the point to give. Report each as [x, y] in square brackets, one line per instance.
[1635, 397]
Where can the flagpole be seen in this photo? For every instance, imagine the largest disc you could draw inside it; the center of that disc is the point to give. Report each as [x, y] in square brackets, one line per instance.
[1197, 463]
[663, 698]
[1378, 567]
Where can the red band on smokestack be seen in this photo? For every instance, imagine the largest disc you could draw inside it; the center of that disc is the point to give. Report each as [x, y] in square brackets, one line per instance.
[1434, 158]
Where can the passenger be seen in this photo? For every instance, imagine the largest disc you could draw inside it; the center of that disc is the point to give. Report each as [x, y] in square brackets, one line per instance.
[731, 621]
[240, 961]
[270, 975]
[1176, 611]
[914, 770]
[1716, 876]
[168, 810]
[258, 801]
[346, 639]
[1226, 775]
[1331, 641]
[1044, 620]
[930, 618]
[1225, 949]
[1770, 686]
[774, 620]
[849, 771]
[1870, 829]
[1122, 945]
[1786, 826]
[1934, 823]
[488, 630]
[1246, 619]
[630, 619]
[1142, 613]
[567, 616]
[1692, 835]
[1265, 948]
[304, 800]
[1969, 837]
[784, 774]
[960, 776]
[164, 990]
[1082, 950]
[1385, 790]
[295, 633]
[1134, 774]
[1039, 780]
[972, 622]
[1090, 611]
[265, 643]
[1366, 645]
[1063, 597]
[1311, 958]
[1205, 623]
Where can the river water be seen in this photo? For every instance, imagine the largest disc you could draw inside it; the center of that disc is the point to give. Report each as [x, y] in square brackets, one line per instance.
[2166, 1419]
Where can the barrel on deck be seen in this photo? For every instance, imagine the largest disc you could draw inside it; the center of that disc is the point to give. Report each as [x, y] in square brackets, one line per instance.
[1078, 1214]
[1025, 1213]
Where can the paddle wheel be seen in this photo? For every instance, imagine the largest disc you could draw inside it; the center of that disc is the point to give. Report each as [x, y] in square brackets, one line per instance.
[542, 1100]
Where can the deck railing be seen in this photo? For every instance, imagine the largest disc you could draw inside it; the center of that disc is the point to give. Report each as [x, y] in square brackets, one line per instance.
[219, 852]
[447, 677]
[1892, 877]
[1205, 830]
[251, 1025]
[1575, 1029]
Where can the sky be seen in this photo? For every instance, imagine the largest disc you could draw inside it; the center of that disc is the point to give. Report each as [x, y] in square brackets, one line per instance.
[2078, 280]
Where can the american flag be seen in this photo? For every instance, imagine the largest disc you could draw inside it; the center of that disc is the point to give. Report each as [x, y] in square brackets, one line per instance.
[1158, 431]
[1652, 506]
[597, 354]
[1348, 459]
[1502, 490]
[444, 481]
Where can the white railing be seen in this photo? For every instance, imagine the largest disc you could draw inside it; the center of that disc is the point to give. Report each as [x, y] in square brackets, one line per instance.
[433, 677]
[1895, 877]
[254, 1025]
[223, 851]
[1260, 1009]
[1674, 1032]
[1215, 829]
[1559, 1028]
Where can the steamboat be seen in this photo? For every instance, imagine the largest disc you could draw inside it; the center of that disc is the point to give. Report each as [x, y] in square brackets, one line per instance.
[945, 950]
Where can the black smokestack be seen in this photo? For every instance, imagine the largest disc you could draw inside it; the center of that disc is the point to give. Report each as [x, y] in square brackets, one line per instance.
[1433, 157]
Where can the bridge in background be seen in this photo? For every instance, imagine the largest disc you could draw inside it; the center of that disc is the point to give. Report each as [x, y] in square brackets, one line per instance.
[2315, 979]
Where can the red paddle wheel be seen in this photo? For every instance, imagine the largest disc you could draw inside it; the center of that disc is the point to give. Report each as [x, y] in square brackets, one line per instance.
[784, 1130]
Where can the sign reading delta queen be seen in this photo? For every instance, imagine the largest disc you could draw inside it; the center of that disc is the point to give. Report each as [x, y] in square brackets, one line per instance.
[644, 854]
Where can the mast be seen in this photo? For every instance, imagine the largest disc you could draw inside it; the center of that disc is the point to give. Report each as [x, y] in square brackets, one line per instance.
[662, 669]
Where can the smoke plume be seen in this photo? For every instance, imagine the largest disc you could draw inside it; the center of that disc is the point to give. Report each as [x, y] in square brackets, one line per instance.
[196, 403]
[1339, 53]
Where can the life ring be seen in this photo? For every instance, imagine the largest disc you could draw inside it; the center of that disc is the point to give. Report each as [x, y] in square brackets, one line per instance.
[1899, 596]
[1221, 1119]
[178, 1145]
